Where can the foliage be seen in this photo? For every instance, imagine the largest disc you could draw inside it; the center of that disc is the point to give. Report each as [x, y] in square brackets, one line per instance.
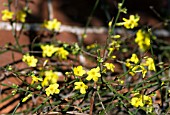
[96, 89]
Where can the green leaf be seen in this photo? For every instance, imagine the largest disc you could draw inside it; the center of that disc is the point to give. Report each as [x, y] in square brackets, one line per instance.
[7, 98]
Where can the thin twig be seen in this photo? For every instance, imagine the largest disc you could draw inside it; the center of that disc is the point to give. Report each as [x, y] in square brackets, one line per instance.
[68, 112]
[92, 99]
[101, 103]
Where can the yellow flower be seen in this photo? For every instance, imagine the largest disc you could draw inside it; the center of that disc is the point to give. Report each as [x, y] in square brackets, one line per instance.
[128, 64]
[35, 79]
[113, 57]
[134, 70]
[52, 25]
[143, 40]
[6, 15]
[93, 74]
[114, 45]
[30, 60]
[137, 101]
[48, 50]
[143, 70]
[52, 89]
[147, 100]
[80, 85]
[110, 23]
[121, 81]
[21, 15]
[91, 46]
[50, 78]
[134, 58]
[116, 36]
[131, 22]
[61, 53]
[45, 82]
[78, 71]
[140, 100]
[150, 64]
[109, 66]
[27, 97]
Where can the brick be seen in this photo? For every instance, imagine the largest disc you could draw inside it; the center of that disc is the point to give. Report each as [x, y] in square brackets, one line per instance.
[6, 37]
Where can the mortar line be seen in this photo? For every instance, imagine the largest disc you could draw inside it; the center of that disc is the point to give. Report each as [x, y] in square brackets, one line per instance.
[75, 29]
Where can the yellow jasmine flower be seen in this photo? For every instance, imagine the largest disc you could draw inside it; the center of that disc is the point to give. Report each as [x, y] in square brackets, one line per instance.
[27, 97]
[143, 40]
[110, 23]
[21, 15]
[110, 51]
[128, 64]
[35, 79]
[48, 50]
[137, 101]
[78, 71]
[80, 85]
[61, 53]
[163, 83]
[93, 74]
[50, 78]
[109, 66]
[134, 58]
[113, 57]
[143, 70]
[130, 23]
[116, 36]
[7, 15]
[150, 64]
[134, 70]
[91, 46]
[30, 60]
[140, 100]
[52, 25]
[138, 68]
[121, 81]
[45, 82]
[52, 89]
[114, 45]
[147, 100]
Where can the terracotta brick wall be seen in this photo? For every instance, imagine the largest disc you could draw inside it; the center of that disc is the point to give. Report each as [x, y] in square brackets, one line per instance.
[75, 13]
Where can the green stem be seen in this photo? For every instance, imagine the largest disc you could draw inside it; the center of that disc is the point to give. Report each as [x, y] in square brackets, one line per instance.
[88, 21]
[117, 17]
[114, 91]
[111, 32]
[40, 105]
[148, 80]
[13, 113]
